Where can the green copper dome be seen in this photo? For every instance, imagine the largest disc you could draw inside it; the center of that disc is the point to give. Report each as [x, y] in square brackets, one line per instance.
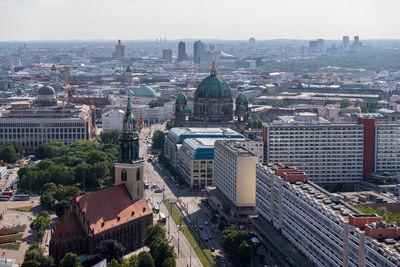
[213, 87]
[241, 97]
[146, 91]
[181, 97]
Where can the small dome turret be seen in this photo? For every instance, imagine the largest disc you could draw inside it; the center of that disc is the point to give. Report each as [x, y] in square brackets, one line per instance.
[181, 98]
[241, 97]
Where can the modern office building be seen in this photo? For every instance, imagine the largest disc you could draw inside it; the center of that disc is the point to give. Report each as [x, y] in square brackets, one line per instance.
[196, 161]
[346, 43]
[329, 153]
[119, 50]
[177, 135]
[198, 48]
[388, 147]
[44, 120]
[235, 177]
[255, 147]
[324, 226]
[182, 51]
[167, 55]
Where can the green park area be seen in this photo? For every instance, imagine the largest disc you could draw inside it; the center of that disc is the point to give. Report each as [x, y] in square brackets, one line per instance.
[25, 208]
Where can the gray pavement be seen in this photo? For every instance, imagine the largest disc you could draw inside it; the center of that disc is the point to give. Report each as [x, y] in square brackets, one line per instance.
[155, 174]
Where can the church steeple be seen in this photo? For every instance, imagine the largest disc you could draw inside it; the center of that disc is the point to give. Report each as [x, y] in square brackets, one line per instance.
[129, 141]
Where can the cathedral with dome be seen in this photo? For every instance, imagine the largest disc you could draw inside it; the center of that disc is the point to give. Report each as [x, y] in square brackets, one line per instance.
[212, 106]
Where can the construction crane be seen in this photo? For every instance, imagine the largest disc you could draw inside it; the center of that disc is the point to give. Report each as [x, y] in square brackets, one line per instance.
[140, 123]
[66, 86]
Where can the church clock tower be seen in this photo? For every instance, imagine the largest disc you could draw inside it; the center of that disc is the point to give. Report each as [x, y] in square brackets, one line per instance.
[129, 168]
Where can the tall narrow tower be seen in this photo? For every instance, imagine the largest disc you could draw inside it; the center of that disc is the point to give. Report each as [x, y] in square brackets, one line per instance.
[129, 168]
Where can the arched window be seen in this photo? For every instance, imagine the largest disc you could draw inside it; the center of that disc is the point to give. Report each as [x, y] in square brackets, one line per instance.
[138, 175]
[124, 175]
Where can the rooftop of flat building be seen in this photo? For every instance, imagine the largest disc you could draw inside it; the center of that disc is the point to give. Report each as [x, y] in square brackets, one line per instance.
[237, 147]
[179, 134]
[338, 207]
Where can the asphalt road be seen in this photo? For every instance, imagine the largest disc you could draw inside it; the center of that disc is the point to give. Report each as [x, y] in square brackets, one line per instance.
[155, 174]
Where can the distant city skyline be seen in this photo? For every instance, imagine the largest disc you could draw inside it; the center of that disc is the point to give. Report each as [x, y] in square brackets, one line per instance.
[194, 19]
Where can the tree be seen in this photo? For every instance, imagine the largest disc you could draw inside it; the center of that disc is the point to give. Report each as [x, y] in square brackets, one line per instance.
[81, 162]
[133, 261]
[49, 150]
[70, 260]
[158, 139]
[153, 231]
[107, 249]
[169, 262]
[170, 124]
[161, 250]
[41, 223]
[8, 154]
[34, 257]
[145, 260]
[233, 241]
[110, 137]
[345, 103]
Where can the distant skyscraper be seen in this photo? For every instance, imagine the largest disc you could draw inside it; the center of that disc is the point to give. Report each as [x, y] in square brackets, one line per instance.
[312, 47]
[119, 50]
[320, 45]
[182, 51]
[346, 43]
[167, 54]
[252, 42]
[357, 44]
[198, 48]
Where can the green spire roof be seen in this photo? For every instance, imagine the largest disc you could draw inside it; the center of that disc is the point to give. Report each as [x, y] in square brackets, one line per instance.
[129, 122]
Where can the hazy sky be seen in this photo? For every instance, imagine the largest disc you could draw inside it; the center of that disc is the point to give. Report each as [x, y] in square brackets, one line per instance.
[216, 19]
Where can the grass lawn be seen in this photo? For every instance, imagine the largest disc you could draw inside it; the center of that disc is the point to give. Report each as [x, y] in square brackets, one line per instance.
[197, 243]
[15, 236]
[11, 245]
[173, 210]
[26, 208]
[20, 229]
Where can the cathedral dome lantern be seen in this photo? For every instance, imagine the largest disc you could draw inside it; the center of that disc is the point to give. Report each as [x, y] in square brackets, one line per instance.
[213, 99]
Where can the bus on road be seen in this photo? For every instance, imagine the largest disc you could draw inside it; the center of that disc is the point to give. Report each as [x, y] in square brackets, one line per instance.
[156, 208]
[163, 219]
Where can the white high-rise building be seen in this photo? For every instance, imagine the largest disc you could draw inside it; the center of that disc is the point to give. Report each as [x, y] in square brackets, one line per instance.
[328, 152]
[112, 120]
[235, 177]
[387, 155]
[323, 226]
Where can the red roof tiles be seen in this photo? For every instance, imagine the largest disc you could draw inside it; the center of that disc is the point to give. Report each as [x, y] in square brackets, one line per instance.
[110, 207]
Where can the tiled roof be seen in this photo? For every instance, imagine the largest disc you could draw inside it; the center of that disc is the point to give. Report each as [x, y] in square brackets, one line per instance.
[68, 226]
[110, 207]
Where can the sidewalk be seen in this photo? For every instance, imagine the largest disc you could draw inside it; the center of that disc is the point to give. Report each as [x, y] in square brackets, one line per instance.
[279, 245]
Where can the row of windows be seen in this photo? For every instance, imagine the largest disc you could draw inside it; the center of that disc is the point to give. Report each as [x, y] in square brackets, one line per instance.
[33, 124]
[42, 130]
[42, 136]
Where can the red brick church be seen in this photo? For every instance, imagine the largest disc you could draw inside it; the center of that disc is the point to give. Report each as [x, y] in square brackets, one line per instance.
[119, 212]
